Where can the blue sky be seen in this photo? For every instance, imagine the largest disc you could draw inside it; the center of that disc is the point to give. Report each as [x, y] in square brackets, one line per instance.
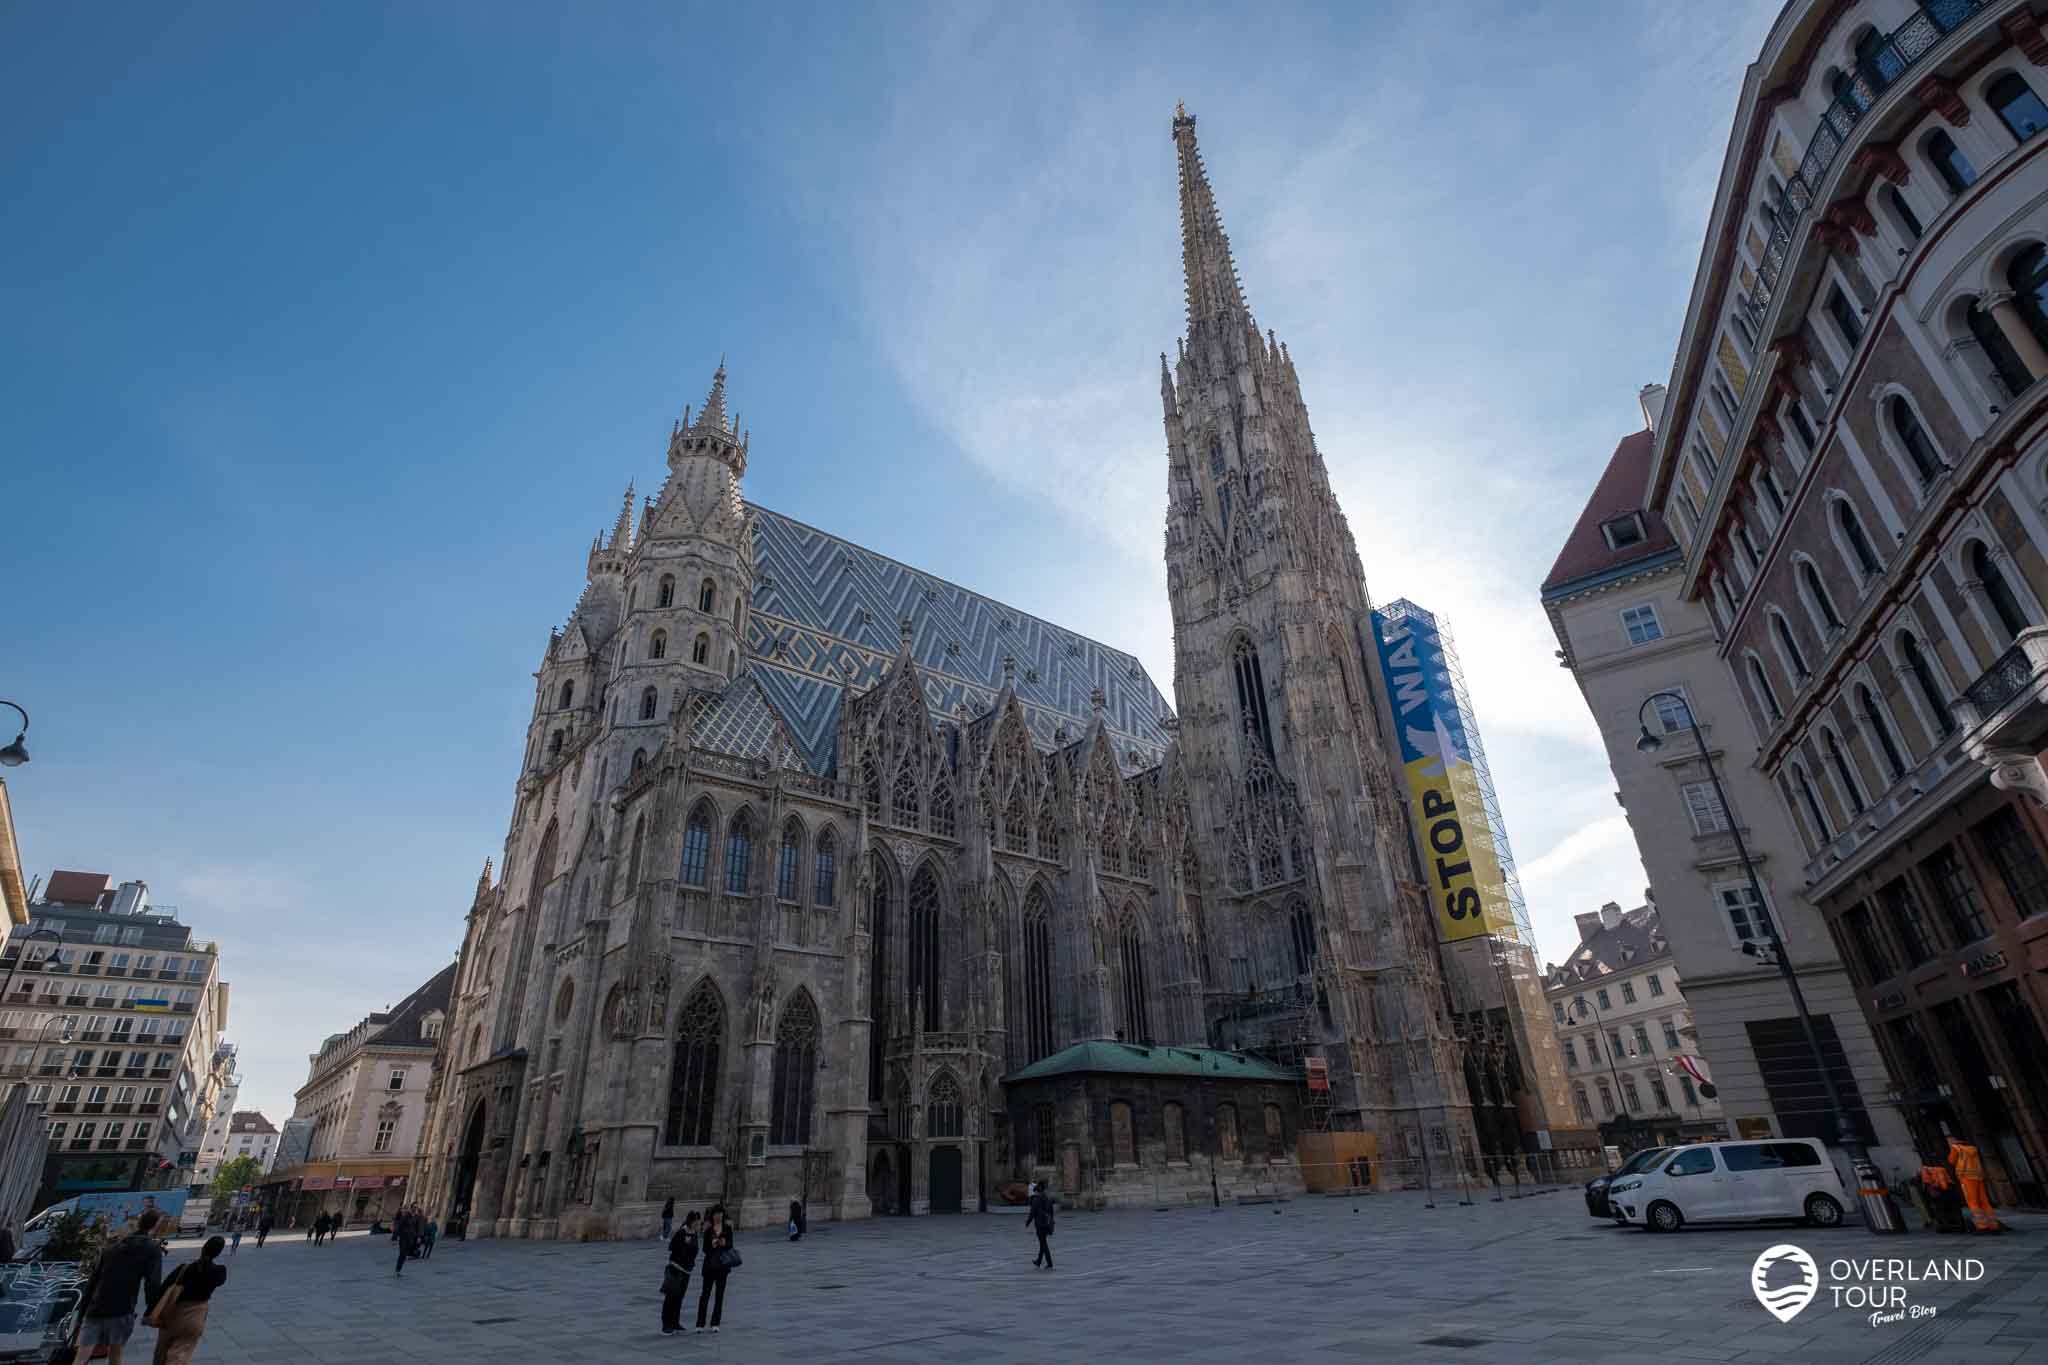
[334, 332]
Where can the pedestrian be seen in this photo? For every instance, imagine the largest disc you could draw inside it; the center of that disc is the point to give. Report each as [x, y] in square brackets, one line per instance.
[320, 1225]
[1040, 1221]
[432, 1235]
[408, 1225]
[668, 1218]
[179, 1314]
[234, 1235]
[135, 1262]
[719, 1261]
[263, 1226]
[675, 1276]
[796, 1219]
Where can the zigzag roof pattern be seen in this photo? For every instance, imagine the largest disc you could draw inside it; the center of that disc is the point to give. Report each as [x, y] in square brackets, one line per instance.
[825, 616]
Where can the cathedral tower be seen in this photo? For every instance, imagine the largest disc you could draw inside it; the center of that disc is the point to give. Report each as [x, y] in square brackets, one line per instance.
[1318, 928]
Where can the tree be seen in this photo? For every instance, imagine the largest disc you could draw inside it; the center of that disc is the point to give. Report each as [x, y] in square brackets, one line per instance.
[232, 1175]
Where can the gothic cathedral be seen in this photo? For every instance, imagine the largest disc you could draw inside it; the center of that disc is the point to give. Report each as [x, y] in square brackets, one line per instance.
[829, 879]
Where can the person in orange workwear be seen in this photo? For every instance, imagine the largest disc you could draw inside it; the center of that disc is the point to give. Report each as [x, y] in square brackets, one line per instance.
[1968, 1165]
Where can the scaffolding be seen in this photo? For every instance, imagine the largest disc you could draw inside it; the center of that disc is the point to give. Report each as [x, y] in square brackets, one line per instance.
[1280, 1026]
[1464, 728]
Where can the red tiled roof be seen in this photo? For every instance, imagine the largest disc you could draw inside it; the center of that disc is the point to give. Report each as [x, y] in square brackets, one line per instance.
[1620, 492]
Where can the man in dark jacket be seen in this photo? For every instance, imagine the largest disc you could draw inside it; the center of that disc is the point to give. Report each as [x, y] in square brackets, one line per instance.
[1040, 1219]
[135, 1262]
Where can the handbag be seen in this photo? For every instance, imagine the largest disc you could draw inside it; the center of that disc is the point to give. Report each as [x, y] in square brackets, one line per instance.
[167, 1295]
[729, 1260]
[674, 1279]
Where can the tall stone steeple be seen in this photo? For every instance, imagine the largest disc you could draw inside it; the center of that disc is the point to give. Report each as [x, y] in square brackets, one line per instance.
[1276, 685]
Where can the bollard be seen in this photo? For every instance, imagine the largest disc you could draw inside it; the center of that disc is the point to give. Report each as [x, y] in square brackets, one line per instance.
[1880, 1212]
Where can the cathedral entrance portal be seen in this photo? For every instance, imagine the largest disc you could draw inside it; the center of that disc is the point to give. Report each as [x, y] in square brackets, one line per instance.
[465, 1173]
[945, 1179]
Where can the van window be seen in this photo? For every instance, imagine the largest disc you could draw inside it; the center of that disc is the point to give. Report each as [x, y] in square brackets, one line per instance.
[1698, 1161]
[1795, 1154]
[1751, 1156]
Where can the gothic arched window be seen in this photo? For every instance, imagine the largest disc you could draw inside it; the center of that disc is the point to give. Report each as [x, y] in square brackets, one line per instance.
[1251, 694]
[693, 1079]
[1038, 1034]
[825, 887]
[871, 787]
[665, 595]
[697, 847]
[1766, 697]
[1862, 558]
[942, 808]
[1852, 791]
[700, 650]
[1301, 926]
[2005, 605]
[1895, 765]
[903, 798]
[1131, 951]
[796, 1072]
[739, 854]
[1048, 829]
[707, 596]
[942, 1117]
[1927, 461]
[649, 699]
[924, 942]
[1923, 679]
[878, 972]
[787, 860]
[1811, 799]
[657, 645]
[568, 694]
[1016, 825]
[1817, 593]
[1795, 660]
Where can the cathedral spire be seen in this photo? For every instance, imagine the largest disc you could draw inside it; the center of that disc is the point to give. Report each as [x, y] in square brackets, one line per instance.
[622, 531]
[1212, 285]
[712, 417]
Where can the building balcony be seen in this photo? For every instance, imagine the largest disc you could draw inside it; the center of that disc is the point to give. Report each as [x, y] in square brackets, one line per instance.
[2004, 715]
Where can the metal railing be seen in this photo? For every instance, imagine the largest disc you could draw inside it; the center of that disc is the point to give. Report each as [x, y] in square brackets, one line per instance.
[1875, 73]
[2007, 677]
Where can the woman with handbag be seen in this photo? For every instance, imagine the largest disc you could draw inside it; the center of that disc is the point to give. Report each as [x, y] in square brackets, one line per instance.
[720, 1260]
[675, 1276]
[179, 1314]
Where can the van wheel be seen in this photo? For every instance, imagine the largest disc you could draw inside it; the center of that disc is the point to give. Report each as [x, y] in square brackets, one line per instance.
[1663, 1217]
[1822, 1211]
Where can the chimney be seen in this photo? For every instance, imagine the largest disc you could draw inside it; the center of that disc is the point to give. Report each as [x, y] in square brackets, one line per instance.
[1610, 915]
[1652, 399]
[1589, 925]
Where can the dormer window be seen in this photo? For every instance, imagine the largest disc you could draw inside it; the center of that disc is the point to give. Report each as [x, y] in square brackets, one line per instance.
[1623, 532]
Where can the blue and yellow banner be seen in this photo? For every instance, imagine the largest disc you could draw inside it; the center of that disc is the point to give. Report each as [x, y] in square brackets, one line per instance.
[152, 1006]
[1459, 862]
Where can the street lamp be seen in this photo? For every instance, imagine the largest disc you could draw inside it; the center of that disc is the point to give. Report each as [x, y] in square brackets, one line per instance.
[16, 754]
[1581, 1007]
[1773, 953]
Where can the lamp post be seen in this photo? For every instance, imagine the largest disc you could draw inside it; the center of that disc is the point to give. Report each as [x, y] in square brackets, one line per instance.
[1581, 1007]
[1867, 1174]
[16, 754]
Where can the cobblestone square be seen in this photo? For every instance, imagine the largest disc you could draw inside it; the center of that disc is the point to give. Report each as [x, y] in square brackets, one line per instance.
[1382, 1278]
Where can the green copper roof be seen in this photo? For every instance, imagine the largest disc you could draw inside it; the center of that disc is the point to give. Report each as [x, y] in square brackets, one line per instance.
[1130, 1060]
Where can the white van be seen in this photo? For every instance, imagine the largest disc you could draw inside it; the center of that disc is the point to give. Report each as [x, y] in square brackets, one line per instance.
[1731, 1181]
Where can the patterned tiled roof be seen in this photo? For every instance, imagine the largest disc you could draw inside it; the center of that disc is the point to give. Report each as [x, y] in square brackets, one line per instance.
[742, 721]
[824, 618]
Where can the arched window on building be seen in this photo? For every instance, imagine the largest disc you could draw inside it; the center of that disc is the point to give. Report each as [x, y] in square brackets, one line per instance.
[1579, 1099]
[2008, 372]
[693, 1076]
[1276, 1133]
[1038, 993]
[1229, 1143]
[1251, 695]
[639, 759]
[1123, 1146]
[1887, 744]
[2028, 278]
[1852, 790]
[1301, 926]
[942, 1115]
[871, 787]
[1048, 828]
[787, 860]
[2016, 105]
[568, 694]
[925, 912]
[796, 1073]
[649, 700]
[942, 808]
[903, 797]
[1817, 595]
[697, 847]
[1766, 698]
[1862, 558]
[1795, 660]
[1948, 161]
[1810, 798]
[657, 645]
[826, 886]
[1016, 824]
[878, 972]
[707, 596]
[1137, 1022]
[1931, 691]
[1176, 1125]
[1909, 221]
[2006, 612]
[700, 650]
[665, 594]
[739, 855]
[1913, 438]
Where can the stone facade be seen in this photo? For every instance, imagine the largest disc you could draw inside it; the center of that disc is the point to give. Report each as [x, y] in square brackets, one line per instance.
[809, 847]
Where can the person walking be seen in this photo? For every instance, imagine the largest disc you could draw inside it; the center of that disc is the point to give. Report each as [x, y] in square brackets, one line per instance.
[320, 1228]
[234, 1235]
[675, 1276]
[179, 1314]
[408, 1238]
[719, 1260]
[668, 1218]
[1040, 1221]
[796, 1220]
[432, 1235]
[263, 1227]
[135, 1262]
